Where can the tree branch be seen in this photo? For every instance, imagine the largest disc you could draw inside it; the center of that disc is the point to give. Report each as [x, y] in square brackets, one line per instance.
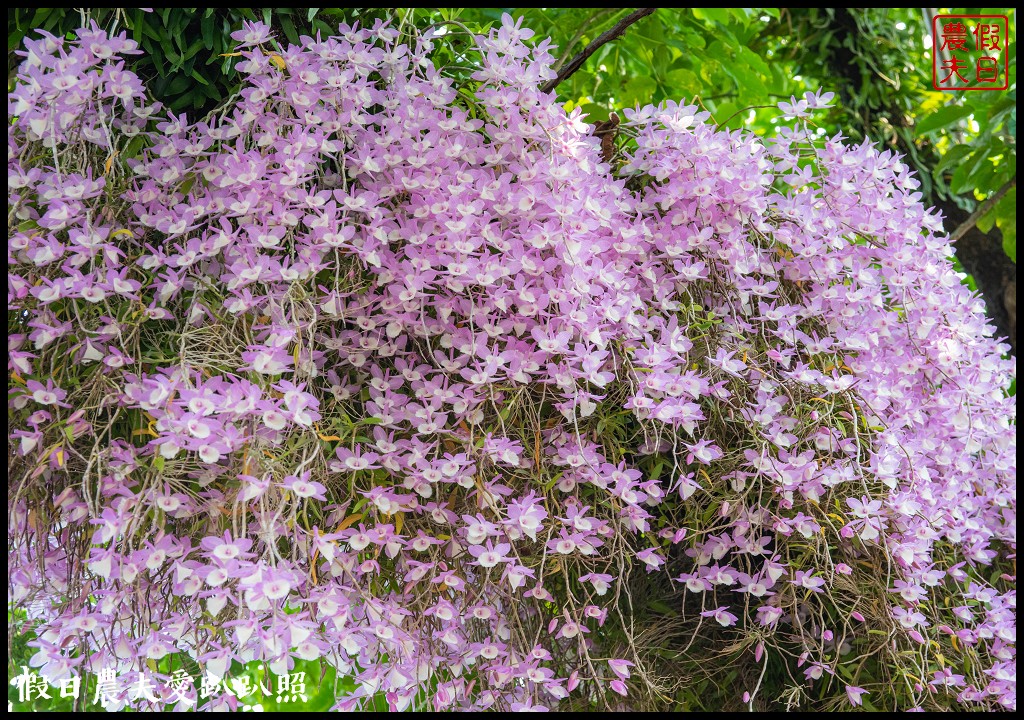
[596, 17]
[972, 220]
[606, 37]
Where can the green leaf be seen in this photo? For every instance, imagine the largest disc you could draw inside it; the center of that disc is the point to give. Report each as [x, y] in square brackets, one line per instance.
[708, 69]
[193, 49]
[289, 29]
[752, 89]
[730, 111]
[594, 113]
[720, 15]
[693, 41]
[753, 60]
[982, 177]
[683, 83]
[963, 176]
[150, 30]
[955, 155]
[638, 91]
[987, 221]
[178, 85]
[943, 117]
[1006, 219]
[325, 29]
[208, 31]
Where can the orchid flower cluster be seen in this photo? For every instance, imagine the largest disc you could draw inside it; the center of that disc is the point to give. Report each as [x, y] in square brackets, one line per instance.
[393, 372]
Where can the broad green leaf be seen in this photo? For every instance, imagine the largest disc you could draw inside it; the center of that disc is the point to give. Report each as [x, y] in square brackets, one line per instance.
[953, 156]
[943, 117]
[638, 91]
[963, 176]
[709, 68]
[729, 113]
[683, 83]
[753, 60]
[720, 15]
[289, 29]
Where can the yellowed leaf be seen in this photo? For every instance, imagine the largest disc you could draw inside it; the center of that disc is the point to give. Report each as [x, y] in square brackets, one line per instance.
[349, 521]
[110, 161]
[278, 60]
[35, 522]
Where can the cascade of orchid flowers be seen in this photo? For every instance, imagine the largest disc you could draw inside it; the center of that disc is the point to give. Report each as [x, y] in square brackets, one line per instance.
[392, 371]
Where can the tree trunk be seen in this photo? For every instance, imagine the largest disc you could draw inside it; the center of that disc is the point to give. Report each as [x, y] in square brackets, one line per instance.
[981, 255]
